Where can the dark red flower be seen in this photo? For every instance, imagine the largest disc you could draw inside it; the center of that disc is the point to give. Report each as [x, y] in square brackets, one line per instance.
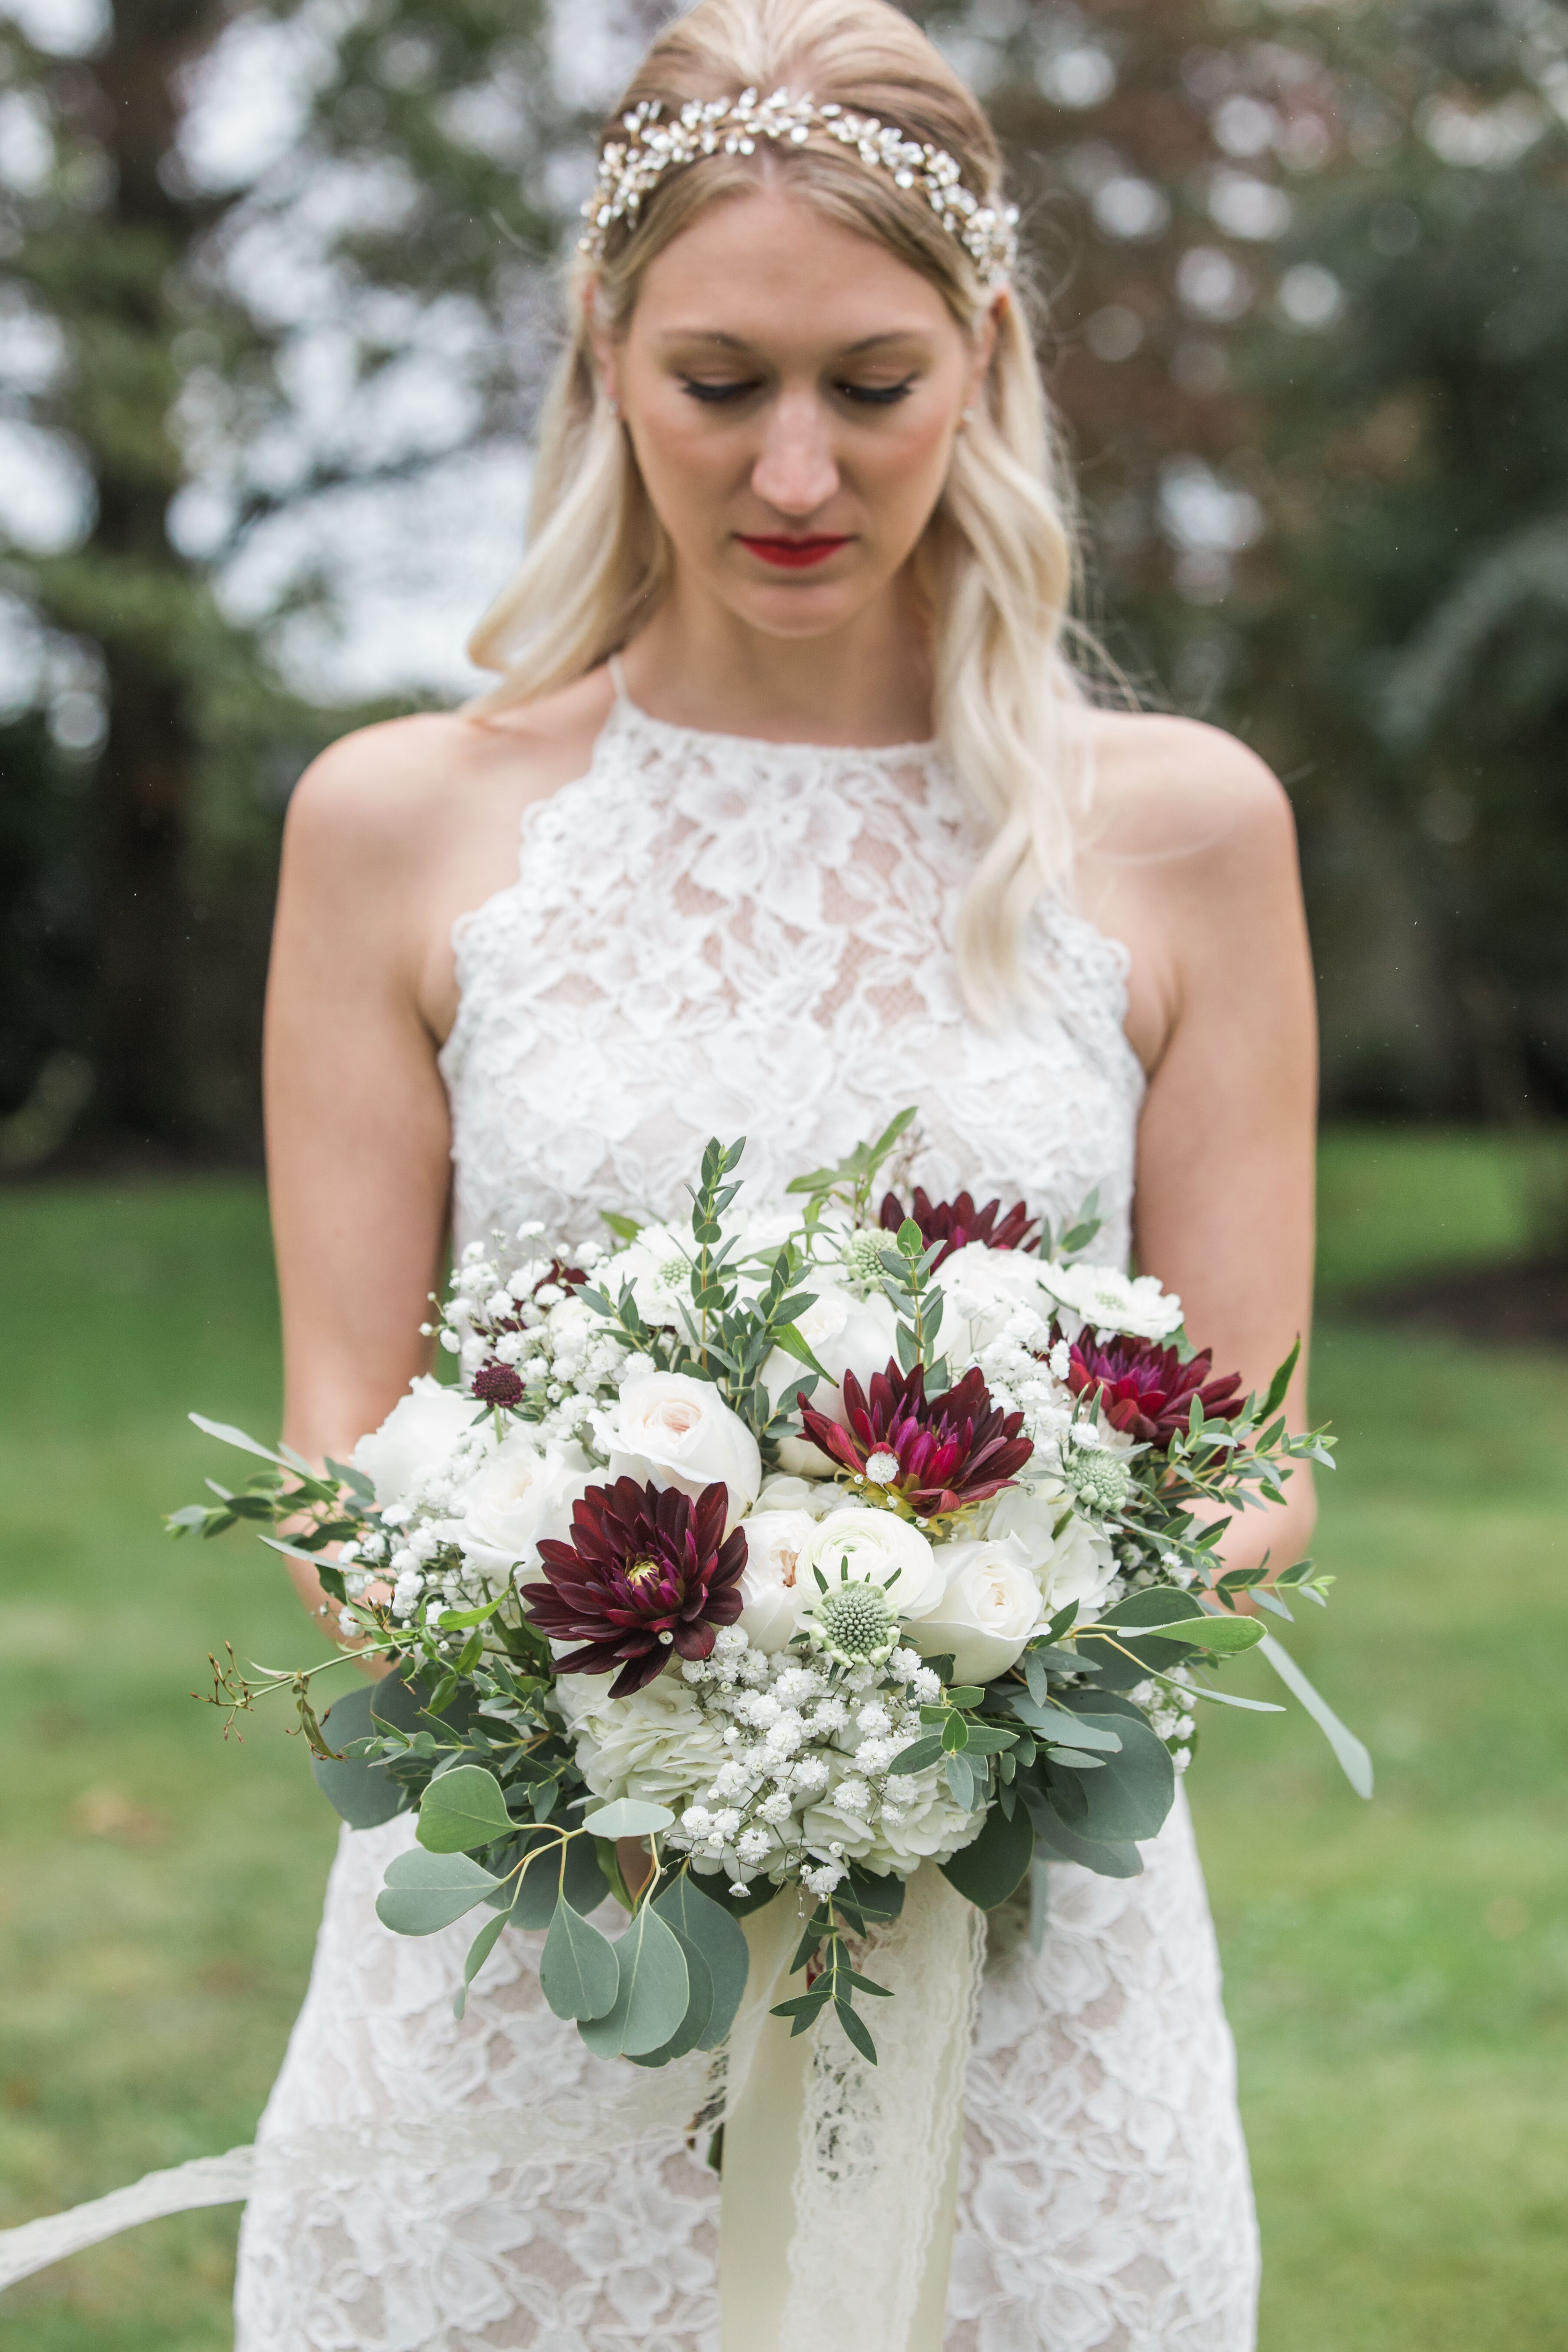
[646, 1572]
[956, 1223]
[950, 1450]
[498, 1384]
[1146, 1389]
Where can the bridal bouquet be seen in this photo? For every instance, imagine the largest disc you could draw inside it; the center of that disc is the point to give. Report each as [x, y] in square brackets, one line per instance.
[805, 1545]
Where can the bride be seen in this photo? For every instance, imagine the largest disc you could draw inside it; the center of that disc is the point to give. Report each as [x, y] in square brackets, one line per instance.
[788, 808]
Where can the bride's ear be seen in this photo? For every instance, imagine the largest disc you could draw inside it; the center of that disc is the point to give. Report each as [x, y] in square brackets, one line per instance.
[607, 358]
[985, 332]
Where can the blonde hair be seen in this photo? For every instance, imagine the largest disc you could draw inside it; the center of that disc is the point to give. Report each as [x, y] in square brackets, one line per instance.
[998, 564]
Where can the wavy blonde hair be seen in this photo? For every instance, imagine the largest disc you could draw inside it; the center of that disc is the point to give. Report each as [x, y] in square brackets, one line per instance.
[998, 564]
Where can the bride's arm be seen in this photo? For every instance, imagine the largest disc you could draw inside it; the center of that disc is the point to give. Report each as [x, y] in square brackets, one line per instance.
[1209, 897]
[357, 1132]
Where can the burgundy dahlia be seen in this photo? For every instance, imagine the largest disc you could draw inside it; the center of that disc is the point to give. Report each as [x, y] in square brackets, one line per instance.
[936, 1453]
[956, 1223]
[1146, 1389]
[646, 1572]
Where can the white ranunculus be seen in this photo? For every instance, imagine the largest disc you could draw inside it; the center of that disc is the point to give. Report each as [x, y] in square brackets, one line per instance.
[982, 1289]
[1108, 1301]
[655, 1744]
[874, 1548]
[419, 1431]
[1076, 1565]
[990, 1606]
[788, 1493]
[772, 1591]
[524, 1491]
[674, 1431]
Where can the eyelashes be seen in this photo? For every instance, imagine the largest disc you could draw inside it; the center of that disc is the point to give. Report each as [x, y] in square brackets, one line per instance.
[862, 395]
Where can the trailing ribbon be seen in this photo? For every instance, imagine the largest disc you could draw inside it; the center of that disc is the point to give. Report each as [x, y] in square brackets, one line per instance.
[839, 2177]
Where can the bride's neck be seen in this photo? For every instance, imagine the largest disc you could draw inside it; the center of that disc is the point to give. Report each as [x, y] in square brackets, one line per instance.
[698, 666]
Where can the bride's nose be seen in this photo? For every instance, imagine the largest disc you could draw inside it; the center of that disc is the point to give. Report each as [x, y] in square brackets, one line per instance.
[795, 472]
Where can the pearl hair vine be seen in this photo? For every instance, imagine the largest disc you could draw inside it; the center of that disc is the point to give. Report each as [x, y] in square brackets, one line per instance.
[630, 168]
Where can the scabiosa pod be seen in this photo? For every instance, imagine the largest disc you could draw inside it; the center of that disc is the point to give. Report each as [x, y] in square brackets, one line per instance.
[1146, 1390]
[930, 1456]
[852, 1623]
[647, 1570]
[956, 1224]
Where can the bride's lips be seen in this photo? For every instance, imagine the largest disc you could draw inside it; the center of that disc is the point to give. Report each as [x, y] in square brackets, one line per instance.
[793, 554]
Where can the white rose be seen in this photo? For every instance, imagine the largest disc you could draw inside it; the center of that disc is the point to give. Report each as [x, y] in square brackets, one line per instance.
[1076, 1565]
[874, 1546]
[846, 1334]
[989, 1608]
[419, 1431]
[675, 1431]
[655, 1744]
[771, 1587]
[982, 1289]
[1110, 1300]
[524, 1491]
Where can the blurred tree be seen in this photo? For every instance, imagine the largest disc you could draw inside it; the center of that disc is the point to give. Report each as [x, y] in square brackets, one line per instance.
[267, 323]
[1407, 639]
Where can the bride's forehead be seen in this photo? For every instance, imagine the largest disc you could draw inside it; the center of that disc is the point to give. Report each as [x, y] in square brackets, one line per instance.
[773, 257]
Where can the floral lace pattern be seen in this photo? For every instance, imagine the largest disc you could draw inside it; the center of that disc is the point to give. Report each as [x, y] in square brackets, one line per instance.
[715, 936]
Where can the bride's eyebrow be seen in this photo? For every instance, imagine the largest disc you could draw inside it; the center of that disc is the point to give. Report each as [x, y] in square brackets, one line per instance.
[720, 340]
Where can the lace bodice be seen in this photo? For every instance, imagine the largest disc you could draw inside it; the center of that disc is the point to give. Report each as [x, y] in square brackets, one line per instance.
[710, 935]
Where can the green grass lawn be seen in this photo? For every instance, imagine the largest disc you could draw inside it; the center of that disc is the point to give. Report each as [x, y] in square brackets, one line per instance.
[1397, 1973]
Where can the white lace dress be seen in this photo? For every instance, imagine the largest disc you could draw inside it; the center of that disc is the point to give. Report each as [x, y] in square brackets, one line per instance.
[711, 936]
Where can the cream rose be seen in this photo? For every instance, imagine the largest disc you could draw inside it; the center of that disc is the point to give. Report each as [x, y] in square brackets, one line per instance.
[524, 1491]
[675, 1431]
[772, 1590]
[1076, 1565]
[872, 1547]
[989, 1607]
[419, 1431]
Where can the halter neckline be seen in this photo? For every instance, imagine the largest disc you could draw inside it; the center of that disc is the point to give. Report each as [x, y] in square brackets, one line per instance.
[892, 755]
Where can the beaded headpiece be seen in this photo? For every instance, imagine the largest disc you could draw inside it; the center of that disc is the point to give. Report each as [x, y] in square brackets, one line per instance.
[630, 167]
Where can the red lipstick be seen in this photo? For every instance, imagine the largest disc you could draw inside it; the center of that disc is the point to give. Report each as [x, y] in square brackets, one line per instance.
[793, 554]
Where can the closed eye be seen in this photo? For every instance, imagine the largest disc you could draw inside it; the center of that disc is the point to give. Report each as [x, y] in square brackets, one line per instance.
[717, 393]
[877, 395]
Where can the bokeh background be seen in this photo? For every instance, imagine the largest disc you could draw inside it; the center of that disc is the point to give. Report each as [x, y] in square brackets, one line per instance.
[276, 306]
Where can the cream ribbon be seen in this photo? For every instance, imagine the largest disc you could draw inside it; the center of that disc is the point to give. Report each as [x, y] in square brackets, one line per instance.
[839, 2179]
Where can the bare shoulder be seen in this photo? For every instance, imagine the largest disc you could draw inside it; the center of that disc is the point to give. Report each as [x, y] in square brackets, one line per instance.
[392, 793]
[1186, 794]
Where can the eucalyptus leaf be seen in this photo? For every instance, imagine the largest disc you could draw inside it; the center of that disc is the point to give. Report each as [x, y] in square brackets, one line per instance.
[424, 1892]
[479, 1950]
[652, 1989]
[577, 1972]
[461, 1810]
[360, 1792]
[227, 1431]
[720, 1939]
[992, 1865]
[1129, 1796]
[693, 2032]
[628, 1817]
[1354, 1761]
